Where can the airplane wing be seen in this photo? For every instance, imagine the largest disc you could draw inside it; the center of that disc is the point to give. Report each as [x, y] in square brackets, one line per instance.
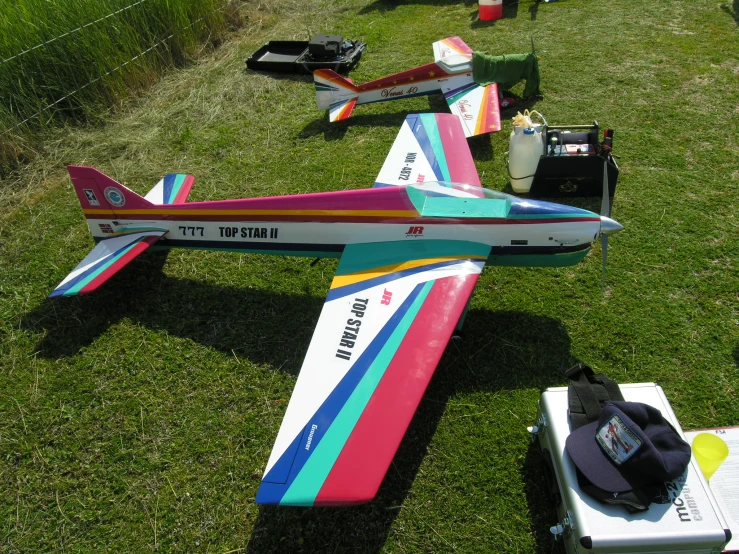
[107, 258]
[478, 107]
[429, 147]
[390, 312]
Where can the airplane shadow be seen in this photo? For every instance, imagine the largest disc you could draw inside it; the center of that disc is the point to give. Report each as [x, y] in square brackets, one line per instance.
[504, 350]
[733, 11]
[385, 6]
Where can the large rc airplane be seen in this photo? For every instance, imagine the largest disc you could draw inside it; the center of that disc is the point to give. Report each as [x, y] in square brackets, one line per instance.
[410, 251]
[451, 74]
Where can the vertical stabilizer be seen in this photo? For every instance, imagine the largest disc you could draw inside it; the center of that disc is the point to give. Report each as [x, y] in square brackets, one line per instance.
[97, 191]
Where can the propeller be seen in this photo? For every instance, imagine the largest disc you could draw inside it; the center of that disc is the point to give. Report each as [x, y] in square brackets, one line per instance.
[608, 226]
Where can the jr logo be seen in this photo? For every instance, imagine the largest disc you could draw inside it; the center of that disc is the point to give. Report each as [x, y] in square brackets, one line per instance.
[386, 297]
[414, 232]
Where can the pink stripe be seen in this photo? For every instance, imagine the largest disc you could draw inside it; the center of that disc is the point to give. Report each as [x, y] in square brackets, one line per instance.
[459, 159]
[184, 190]
[119, 264]
[459, 44]
[389, 198]
[367, 454]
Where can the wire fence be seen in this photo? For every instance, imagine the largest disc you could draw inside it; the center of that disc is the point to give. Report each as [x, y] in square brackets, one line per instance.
[96, 79]
[46, 43]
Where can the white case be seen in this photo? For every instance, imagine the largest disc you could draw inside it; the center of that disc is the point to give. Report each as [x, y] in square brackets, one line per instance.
[690, 523]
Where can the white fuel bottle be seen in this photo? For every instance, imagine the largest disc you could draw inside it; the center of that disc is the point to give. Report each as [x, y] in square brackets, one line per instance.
[526, 147]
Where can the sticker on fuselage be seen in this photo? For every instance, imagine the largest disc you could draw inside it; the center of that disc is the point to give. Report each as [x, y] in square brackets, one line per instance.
[249, 232]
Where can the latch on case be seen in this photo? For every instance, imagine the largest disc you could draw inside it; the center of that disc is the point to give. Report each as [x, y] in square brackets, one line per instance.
[541, 423]
[565, 527]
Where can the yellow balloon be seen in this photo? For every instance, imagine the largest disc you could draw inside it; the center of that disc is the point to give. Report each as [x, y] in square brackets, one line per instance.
[710, 450]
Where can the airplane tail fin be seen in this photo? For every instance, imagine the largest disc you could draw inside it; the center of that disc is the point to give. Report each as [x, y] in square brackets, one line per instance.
[100, 197]
[335, 93]
[99, 194]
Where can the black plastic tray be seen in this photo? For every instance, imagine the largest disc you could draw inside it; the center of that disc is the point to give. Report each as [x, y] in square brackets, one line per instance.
[287, 56]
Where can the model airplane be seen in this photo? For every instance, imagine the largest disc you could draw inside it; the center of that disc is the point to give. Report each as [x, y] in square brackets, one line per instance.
[451, 74]
[409, 258]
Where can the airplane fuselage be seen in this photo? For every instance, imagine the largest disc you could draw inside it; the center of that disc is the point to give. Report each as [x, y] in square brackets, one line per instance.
[427, 79]
[520, 232]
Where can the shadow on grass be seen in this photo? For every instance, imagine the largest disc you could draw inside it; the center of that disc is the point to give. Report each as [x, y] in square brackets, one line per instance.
[499, 351]
[733, 11]
[385, 6]
[540, 500]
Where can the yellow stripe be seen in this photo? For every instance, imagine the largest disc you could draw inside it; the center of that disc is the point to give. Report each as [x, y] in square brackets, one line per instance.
[351, 278]
[352, 213]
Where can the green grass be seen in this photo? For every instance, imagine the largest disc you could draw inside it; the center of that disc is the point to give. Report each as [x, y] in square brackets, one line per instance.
[73, 61]
[141, 417]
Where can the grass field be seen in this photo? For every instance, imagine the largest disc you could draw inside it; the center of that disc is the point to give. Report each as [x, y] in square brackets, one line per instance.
[140, 418]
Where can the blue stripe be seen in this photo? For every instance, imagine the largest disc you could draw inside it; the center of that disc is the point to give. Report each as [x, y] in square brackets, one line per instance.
[169, 180]
[424, 140]
[539, 207]
[369, 283]
[276, 483]
[91, 269]
[464, 88]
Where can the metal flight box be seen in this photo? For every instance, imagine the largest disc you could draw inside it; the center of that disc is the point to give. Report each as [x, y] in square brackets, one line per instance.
[689, 520]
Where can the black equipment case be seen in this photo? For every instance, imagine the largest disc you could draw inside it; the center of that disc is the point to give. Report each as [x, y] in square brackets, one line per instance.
[322, 52]
[572, 164]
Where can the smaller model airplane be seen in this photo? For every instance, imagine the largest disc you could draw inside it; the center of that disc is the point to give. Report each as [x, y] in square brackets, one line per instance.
[451, 74]
[410, 250]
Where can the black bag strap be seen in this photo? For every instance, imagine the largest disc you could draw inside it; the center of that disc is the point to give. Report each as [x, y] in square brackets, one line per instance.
[587, 393]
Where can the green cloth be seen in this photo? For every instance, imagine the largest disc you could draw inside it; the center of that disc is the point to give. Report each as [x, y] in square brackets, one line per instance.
[507, 71]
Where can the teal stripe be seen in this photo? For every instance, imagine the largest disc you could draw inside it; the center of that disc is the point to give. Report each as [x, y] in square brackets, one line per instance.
[176, 186]
[315, 471]
[432, 130]
[84, 282]
[361, 257]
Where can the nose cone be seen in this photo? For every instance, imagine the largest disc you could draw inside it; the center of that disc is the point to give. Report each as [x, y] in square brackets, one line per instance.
[609, 226]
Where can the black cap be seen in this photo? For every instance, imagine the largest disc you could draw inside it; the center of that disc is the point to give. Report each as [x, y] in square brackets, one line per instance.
[630, 445]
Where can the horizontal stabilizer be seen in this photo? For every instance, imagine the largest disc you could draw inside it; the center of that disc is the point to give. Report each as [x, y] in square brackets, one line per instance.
[453, 53]
[335, 93]
[107, 258]
[172, 189]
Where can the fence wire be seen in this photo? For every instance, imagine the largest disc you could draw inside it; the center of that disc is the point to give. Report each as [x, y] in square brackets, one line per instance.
[98, 78]
[19, 54]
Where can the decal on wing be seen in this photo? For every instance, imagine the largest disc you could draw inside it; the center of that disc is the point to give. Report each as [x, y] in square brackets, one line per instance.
[388, 317]
[477, 107]
[429, 147]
